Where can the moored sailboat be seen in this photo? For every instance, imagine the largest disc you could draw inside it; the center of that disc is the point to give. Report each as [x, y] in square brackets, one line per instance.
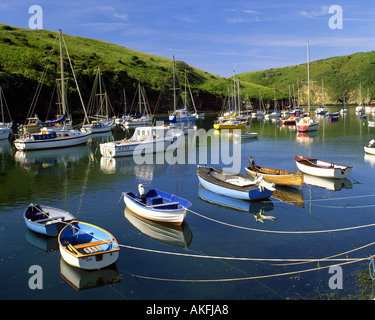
[47, 139]
[307, 124]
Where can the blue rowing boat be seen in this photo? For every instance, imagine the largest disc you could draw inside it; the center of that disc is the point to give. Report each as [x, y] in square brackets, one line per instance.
[230, 184]
[46, 220]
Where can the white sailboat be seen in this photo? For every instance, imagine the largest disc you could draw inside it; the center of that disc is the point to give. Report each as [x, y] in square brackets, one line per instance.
[144, 117]
[322, 109]
[98, 102]
[179, 115]
[5, 127]
[47, 139]
[307, 124]
[360, 108]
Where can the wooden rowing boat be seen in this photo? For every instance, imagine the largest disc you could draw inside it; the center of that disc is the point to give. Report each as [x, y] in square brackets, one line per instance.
[322, 168]
[235, 185]
[276, 176]
[86, 246]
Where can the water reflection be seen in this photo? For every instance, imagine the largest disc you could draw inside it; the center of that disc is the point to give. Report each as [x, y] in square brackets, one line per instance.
[257, 208]
[41, 242]
[180, 236]
[50, 157]
[327, 183]
[81, 279]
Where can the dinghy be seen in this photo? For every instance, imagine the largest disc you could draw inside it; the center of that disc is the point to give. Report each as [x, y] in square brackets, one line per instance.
[245, 135]
[86, 246]
[276, 176]
[46, 220]
[230, 184]
[321, 168]
[370, 148]
[157, 205]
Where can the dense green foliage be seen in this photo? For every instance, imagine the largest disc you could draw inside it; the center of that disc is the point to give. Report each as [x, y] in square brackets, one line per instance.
[25, 54]
[341, 76]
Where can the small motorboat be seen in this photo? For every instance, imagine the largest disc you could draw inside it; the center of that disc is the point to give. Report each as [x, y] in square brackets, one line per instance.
[86, 246]
[235, 185]
[46, 220]
[276, 176]
[157, 205]
[322, 168]
[245, 135]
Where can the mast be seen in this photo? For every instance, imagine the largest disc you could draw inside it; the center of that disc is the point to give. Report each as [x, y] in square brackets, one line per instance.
[1, 102]
[234, 91]
[100, 92]
[62, 75]
[308, 78]
[174, 87]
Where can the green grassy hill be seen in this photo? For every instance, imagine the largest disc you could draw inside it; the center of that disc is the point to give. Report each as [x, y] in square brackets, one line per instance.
[24, 55]
[341, 76]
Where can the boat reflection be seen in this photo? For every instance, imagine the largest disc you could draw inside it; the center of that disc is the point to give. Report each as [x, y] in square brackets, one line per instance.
[145, 172]
[41, 241]
[289, 195]
[81, 279]
[50, 157]
[180, 236]
[257, 208]
[306, 137]
[370, 158]
[327, 183]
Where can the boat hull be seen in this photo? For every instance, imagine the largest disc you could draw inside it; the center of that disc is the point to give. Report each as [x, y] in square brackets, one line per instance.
[369, 150]
[228, 125]
[307, 125]
[173, 216]
[129, 148]
[105, 253]
[4, 134]
[244, 193]
[321, 168]
[276, 176]
[23, 144]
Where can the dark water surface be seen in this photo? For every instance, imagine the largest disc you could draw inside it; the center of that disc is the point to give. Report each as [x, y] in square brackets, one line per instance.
[80, 180]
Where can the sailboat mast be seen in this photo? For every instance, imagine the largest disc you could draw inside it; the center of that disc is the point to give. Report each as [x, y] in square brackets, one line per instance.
[308, 77]
[234, 92]
[100, 92]
[1, 102]
[174, 87]
[62, 75]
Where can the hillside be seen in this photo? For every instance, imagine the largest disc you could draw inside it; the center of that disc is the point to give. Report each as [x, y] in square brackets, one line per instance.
[24, 55]
[341, 76]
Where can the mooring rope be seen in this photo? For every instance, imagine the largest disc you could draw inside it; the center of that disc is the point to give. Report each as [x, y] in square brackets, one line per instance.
[243, 278]
[280, 231]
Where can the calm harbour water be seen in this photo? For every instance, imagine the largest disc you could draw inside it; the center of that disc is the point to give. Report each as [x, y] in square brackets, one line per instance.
[80, 180]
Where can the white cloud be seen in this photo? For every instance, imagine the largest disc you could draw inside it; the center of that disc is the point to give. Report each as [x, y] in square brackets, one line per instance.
[315, 13]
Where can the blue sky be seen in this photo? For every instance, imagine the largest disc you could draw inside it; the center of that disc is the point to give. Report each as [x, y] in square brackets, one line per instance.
[212, 35]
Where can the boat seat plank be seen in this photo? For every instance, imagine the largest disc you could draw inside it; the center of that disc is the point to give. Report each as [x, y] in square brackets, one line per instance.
[164, 204]
[91, 244]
